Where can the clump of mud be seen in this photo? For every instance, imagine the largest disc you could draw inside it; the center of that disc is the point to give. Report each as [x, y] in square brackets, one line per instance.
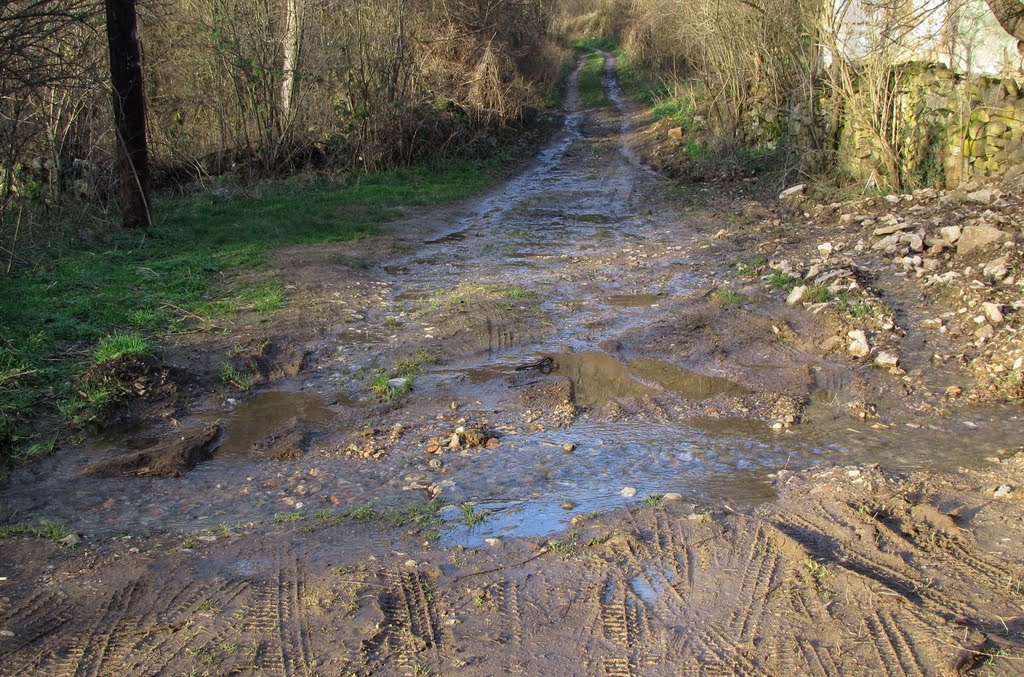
[286, 443]
[270, 360]
[463, 438]
[138, 388]
[169, 459]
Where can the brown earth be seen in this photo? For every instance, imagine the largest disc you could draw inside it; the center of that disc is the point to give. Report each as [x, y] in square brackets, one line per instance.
[609, 446]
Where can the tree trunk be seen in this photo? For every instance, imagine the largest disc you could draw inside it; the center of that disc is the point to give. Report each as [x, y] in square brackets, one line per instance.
[1010, 15]
[290, 62]
[129, 112]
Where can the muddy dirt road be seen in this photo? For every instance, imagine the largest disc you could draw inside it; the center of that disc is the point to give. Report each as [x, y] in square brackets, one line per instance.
[548, 432]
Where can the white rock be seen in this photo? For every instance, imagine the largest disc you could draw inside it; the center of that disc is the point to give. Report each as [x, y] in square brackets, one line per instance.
[628, 492]
[859, 346]
[797, 295]
[1003, 490]
[793, 191]
[887, 360]
[494, 542]
[983, 196]
[826, 249]
[992, 312]
[398, 383]
[671, 496]
[950, 233]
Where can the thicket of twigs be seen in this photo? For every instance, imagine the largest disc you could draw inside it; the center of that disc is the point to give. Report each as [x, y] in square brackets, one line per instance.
[260, 87]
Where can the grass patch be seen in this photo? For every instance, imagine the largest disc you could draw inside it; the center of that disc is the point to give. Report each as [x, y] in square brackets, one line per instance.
[423, 514]
[855, 308]
[474, 291]
[286, 517]
[183, 272]
[605, 42]
[407, 369]
[120, 345]
[591, 85]
[51, 530]
[727, 298]
[781, 280]
[471, 516]
[242, 380]
[817, 294]
[751, 266]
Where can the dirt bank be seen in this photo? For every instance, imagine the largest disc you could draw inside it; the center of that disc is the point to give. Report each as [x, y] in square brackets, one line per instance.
[581, 425]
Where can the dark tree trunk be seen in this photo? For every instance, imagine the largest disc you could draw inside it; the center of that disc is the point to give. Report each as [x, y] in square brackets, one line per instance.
[1010, 15]
[129, 111]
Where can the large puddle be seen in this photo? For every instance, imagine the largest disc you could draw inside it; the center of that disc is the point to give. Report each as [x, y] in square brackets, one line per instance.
[532, 487]
[264, 414]
[601, 378]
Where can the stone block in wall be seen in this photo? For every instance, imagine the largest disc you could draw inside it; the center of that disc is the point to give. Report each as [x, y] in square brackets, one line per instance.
[1011, 87]
[995, 128]
[979, 147]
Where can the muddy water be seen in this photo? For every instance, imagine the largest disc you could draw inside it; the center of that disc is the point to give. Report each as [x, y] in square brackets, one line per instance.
[264, 414]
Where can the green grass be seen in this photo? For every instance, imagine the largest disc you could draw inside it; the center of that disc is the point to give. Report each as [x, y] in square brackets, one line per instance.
[592, 92]
[858, 309]
[243, 380]
[408, 368]
[183, 273]
[605, 42]
[51, 530]
[421, 514]
[781, 280]
[728, 298]
[751, 266]
[471, 516]
[120, 345]
[637, 82]
[817, 294]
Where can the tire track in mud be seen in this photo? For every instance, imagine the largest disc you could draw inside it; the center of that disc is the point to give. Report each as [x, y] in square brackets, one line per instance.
[758, 582]
[410, 627]
[34, 620]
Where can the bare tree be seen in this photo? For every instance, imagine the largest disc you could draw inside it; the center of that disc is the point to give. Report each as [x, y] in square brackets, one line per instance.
[1010, 15]
[129, 112]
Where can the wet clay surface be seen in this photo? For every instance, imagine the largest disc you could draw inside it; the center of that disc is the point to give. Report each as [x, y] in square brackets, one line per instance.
[532, 435]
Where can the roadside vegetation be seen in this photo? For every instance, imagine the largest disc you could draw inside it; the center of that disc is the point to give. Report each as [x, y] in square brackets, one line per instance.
[81, 305]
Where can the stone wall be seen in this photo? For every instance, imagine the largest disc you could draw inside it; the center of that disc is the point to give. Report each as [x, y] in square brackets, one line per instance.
[946, 129]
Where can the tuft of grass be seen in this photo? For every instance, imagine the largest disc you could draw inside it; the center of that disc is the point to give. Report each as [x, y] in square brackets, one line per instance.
[591, 84]
[470, 516]
[185, 272]
[653, 500]
[243, 380]
[858, 309]
[781, 280]
[816, 569]
[751, 266]
[605, 42]
[408, 368]
[565, 548]
[817, 294]
[727, 298]
[54, 531]
[286, 517]
[120, 345]
[421, 514]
